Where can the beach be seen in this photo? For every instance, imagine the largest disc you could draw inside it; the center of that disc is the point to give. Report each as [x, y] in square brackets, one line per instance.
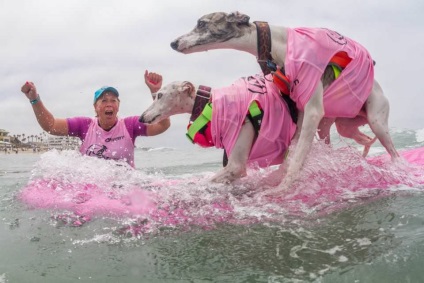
[23, 151]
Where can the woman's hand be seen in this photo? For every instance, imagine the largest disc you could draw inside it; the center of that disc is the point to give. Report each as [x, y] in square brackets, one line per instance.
[153, 81]
[30, 90]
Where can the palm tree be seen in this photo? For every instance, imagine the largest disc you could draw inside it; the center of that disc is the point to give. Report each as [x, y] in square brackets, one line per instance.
[15, 139]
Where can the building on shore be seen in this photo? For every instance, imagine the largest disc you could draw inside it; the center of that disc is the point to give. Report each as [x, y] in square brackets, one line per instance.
[40, 142]
[4, 136]
[63, 142]
[5, 140]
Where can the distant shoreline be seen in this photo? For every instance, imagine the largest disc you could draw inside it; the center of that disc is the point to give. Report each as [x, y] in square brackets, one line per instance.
[20, 151]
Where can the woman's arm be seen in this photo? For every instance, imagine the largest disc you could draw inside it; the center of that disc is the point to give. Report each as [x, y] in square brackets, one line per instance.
[50, 124]
[158, 128]
[154, 83]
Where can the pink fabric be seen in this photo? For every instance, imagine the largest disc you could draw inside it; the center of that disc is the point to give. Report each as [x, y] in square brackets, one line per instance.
[78, 126]
[86, 199]
[114, 144]
[309, 51]
[230, 107]
[413, 156]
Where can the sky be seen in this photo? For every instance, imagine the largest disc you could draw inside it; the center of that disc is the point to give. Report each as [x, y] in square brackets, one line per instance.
[69, 49]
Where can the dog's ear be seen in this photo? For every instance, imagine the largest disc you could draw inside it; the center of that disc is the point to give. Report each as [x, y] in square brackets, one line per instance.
[239, 18]
[187, 88]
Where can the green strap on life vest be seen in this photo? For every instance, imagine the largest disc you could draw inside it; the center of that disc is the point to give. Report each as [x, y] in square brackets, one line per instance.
[254, 109]
[337, 70]
[200, 122]
[206, 116]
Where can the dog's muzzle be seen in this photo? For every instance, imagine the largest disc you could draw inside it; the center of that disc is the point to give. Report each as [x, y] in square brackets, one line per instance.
[174, 45]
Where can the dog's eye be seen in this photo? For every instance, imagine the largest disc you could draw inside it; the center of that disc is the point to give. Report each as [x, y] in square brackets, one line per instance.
[201, 24]
[159, 95]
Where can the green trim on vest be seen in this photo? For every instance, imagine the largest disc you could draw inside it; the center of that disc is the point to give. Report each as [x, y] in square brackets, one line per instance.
[200, 122]
[337, 70]
[206, 117]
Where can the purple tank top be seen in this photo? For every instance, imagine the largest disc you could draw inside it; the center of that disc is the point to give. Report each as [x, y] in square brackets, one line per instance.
[117, 144]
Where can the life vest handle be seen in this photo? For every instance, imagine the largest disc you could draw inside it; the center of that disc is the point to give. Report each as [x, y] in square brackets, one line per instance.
[254, 109]
[255, 116]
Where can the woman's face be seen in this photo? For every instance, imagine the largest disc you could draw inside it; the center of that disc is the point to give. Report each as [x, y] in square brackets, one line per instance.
[107, 107]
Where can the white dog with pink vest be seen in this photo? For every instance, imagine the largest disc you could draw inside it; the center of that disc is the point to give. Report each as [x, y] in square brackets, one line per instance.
[248, 119]
[323, 92]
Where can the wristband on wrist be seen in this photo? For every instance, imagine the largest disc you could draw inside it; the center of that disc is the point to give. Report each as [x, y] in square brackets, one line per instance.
[34, 101]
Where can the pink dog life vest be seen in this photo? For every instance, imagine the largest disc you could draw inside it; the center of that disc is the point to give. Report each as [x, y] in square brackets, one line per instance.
[309, 51]
[115, 144]
[230, 107]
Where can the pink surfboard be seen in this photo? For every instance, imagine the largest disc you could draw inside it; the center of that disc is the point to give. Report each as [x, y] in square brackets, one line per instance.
[321, 190]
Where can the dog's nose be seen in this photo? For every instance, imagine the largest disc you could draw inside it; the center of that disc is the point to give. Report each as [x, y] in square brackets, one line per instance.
[174, 44]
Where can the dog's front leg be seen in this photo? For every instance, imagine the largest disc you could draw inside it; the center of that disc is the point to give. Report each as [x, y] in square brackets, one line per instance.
[277, 176]
[313, 113]
[237, 160]
[298, 127]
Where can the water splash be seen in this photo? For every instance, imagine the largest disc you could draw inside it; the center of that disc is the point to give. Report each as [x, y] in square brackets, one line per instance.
[77, 188]
[420, 135]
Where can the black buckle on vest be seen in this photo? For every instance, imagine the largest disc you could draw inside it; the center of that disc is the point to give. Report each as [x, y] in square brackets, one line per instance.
[203, 96]
[256, 122]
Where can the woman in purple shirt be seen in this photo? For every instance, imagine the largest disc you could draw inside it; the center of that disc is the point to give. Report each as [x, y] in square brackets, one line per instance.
[106, 135]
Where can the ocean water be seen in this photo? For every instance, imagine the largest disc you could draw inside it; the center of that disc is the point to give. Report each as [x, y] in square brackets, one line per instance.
[68, 218]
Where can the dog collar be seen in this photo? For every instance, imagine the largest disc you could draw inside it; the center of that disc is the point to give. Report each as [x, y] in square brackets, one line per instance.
[264, 46]
[203, 96]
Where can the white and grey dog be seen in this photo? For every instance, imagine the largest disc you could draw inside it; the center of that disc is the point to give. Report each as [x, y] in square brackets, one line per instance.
[304, 55]
[249, 119]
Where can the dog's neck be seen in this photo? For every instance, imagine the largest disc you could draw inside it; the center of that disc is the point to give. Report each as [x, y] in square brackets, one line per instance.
[279, 44]
[248, 42]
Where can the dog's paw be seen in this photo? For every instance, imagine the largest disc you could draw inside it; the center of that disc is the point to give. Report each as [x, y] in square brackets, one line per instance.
[367, 147]
[222, 178]
[270, 194]
[287, 182]
[277, 189]
[229, 174]
[274, 178]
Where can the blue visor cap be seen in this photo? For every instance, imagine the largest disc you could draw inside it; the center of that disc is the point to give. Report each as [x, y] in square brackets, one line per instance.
[104, 89]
